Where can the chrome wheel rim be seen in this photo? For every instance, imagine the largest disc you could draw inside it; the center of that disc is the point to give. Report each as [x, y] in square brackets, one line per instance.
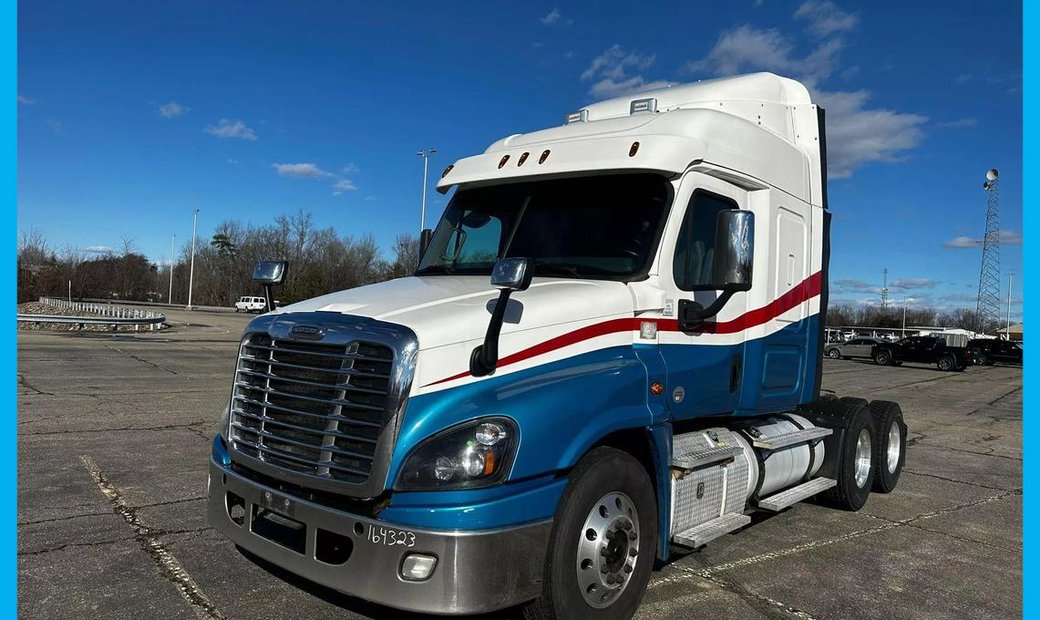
[894, 447]
[862, 465]
[608, 549]
[833, 353]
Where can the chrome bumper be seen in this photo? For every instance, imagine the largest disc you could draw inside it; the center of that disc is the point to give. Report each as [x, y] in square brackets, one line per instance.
[476, 571]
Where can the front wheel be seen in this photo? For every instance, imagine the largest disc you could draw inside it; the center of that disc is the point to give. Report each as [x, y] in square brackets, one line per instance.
[883, 357]
[947, 362]
[833, 354]
[603, 542]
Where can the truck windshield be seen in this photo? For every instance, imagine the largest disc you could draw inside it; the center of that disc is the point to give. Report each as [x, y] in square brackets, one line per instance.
[596, 227]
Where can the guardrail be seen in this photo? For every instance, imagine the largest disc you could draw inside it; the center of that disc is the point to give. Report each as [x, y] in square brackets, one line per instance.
[113, 316]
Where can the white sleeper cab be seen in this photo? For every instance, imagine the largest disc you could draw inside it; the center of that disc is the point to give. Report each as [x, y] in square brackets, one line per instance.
[611, 348]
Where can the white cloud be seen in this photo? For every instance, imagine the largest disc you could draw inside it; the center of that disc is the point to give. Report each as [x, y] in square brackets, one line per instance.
[22, 99]
[555, 18]
[1010, 237]
[98, 249]
[824, 18]
[962, 242]
[54, 125]
[616, 72]
[343, 185]
[913, 283]
[350, 168]
[858, 135]
[1007, 237]
[172, 109]
[226, 128]
[301, 171]
[960, 123]
[746, 48]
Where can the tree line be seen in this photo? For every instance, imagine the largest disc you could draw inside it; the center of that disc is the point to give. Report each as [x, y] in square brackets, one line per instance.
[320, 261]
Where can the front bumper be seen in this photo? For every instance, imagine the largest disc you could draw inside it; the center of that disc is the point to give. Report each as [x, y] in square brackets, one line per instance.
[476, 571]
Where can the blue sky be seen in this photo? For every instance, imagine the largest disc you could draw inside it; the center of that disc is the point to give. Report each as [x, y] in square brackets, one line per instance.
[132, 114]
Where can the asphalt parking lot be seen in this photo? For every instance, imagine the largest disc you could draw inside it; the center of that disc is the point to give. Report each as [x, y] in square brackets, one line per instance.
[114, 438]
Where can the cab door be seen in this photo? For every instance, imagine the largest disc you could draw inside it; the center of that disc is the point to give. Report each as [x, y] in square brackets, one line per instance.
[705, 369]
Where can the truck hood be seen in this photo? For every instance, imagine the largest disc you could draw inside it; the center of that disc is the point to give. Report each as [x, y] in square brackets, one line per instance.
[444, 310]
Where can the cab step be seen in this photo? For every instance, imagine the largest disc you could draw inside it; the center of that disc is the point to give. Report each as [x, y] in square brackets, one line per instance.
[705, 456]
[709, 531]
[790, 439]
[783, 499]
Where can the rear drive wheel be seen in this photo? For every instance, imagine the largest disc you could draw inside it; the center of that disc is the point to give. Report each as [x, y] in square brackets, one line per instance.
[833, 354]
[603, 543]
[947, 362]
[883, 357]
[855, 469]
[890, 448]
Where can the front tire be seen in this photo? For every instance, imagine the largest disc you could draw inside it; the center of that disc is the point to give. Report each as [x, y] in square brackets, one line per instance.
[603, 543]
[833, 354]
[883, 357]
[890, 448]
[947, 362]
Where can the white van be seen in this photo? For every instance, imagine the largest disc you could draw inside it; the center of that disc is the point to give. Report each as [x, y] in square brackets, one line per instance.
[250, 304]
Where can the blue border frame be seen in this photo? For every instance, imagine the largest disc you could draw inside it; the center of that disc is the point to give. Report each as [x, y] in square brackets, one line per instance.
[9, 167]
[1030, 425]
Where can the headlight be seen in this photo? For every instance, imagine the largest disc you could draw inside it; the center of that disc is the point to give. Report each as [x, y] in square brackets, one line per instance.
[476, 454]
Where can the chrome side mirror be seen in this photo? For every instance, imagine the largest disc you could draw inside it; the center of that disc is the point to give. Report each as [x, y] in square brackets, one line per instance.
[734, 251]
[508, 275]
[270, 271]
[513, 274]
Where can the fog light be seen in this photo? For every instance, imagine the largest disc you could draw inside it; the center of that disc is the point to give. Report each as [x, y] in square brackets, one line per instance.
[417, 567]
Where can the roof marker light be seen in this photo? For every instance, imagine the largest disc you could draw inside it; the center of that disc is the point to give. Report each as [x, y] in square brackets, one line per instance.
[447, 170]
[633, 149]
[545, 155]
[643, 105]
[522, 159]
[503, 161]
[581, 116]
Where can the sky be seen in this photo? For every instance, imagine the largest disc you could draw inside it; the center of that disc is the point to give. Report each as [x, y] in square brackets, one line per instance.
[133, 114]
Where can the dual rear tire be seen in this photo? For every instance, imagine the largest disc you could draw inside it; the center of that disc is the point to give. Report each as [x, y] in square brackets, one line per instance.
[873, 451]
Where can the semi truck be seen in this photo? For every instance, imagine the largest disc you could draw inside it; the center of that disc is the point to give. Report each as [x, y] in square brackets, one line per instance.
[610, 351]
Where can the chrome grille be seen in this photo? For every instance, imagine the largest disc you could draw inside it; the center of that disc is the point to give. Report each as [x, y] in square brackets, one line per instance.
[312, 408]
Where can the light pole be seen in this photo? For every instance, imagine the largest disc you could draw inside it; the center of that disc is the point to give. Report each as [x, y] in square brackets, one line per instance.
[173, 258]
[1007, 330]
[903, 335]
[425, 154]
[191, 270]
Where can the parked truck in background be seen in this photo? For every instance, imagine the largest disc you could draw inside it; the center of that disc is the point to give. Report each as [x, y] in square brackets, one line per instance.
[611, 348]
[923, 350]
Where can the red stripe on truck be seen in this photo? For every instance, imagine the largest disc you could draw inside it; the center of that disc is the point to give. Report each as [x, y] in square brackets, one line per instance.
[809, 288]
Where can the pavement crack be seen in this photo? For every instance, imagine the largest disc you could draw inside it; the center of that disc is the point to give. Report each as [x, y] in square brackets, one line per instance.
[67, 518]
[169, 567]
[945, 479]
[68, 545]
[171, 502]
[815, 544]
[165, 427]
[22, 381]
[764, 604]
[142, 360]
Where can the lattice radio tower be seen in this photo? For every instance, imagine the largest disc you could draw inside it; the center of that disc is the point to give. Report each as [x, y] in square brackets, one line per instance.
[987, 311]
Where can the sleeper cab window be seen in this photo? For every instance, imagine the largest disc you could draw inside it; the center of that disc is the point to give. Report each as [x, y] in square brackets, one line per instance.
[695, 246]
